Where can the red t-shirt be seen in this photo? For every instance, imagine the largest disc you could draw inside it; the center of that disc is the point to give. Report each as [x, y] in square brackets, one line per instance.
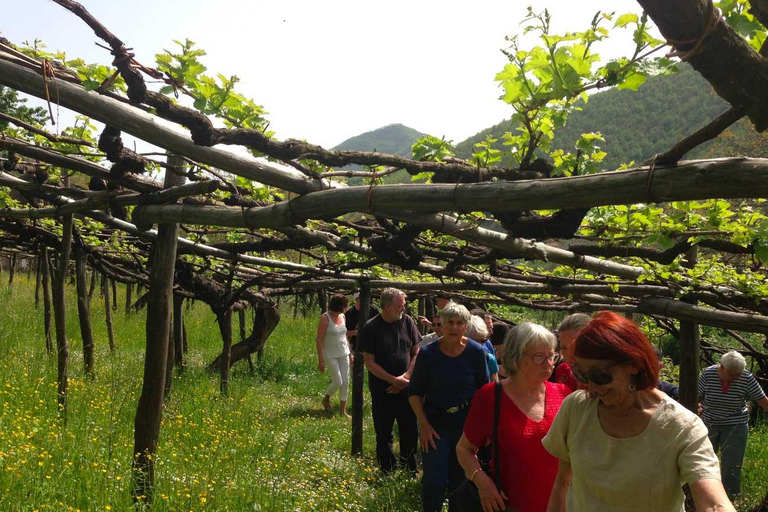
[564, 375]
[527, 470]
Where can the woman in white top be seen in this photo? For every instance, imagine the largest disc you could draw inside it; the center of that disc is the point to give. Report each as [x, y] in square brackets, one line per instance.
[333, 351]
[622, 444]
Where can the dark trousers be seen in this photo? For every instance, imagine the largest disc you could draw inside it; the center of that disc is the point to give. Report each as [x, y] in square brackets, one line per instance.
[442, 471]
[387, 409]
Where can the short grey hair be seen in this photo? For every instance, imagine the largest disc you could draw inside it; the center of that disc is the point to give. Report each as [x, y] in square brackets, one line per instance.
[387, 295]
[453, 310]
[521, 338]
[574, 322]
[733, 362]
[477, 330]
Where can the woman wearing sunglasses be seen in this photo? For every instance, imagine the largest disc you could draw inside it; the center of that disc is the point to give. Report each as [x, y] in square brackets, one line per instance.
[622, 444]
[527, 408]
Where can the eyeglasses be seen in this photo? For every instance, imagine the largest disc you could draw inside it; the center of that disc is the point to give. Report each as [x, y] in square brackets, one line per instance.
[539, 358]
[597, 376]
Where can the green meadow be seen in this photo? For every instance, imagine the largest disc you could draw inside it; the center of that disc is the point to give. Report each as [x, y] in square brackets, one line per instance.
[269, 446]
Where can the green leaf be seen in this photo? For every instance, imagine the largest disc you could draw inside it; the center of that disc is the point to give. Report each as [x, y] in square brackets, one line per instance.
[632, 82]
[626, 19]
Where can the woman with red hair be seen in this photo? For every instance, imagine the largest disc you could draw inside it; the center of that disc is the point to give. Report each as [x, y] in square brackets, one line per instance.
[621, 443]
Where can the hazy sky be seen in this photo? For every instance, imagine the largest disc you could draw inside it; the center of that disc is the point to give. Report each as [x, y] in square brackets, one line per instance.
[328, 70]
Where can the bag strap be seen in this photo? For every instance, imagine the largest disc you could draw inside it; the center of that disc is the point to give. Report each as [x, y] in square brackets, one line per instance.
[495, 445]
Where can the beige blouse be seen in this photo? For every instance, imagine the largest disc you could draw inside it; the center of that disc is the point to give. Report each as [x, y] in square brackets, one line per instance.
[641, 473]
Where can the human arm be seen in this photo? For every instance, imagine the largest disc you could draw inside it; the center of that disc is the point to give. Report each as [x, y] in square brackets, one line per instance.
[426, 432]
[424, 321]
[322, 328]
[378, 371]
[560, 487]
[490, 497]
[709, 496]
[763, 403]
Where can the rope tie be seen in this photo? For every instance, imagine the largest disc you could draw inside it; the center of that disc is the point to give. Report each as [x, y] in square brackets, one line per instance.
[369, 195]
[298, 218]
[648, 180]
[713, 20]
[48, 75]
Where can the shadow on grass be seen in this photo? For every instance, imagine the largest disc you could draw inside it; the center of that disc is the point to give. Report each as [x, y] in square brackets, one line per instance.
[301, 411]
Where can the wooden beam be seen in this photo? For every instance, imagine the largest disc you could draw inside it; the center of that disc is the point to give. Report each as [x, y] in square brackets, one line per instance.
[145, 127]
[735, 70]
[689, 180]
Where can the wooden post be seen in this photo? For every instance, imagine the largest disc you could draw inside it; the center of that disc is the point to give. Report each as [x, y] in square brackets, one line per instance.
[128, 293]
[241, 321]
[114, 293]
[422, 312]
[37, 282]
[108, 315]
[322, 299]
[171, 357]
[690, 350]
[149, 412]
[12, 269]
[44, 265]
[59, 313]
[92, 285]
[358, 373]
[178, 333]
[225, 326]
[84, 311]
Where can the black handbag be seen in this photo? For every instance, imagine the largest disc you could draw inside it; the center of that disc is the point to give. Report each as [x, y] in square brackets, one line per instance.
[466, 498]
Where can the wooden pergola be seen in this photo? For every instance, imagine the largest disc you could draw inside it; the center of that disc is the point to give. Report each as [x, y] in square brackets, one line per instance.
[344, 233]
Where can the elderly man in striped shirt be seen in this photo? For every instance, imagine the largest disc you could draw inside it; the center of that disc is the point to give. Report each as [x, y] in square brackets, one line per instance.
[724, 390]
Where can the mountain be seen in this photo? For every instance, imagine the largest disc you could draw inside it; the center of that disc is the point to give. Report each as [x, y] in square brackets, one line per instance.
[395, 139]
[635, 124]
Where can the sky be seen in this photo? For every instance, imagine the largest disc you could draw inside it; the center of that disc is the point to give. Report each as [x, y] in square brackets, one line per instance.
[328, 70]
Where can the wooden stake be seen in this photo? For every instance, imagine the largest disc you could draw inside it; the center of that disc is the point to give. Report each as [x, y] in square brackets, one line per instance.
[690, 353]
[108, 315]
[358, 374]
[84, 311]
[150, 409]
[59, 312]
[44, 266]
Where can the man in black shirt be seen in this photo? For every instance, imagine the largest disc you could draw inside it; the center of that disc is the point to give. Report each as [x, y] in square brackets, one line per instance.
[353, 317]
[389, 342]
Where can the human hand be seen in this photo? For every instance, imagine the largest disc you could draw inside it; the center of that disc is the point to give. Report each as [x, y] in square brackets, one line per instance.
[490, 498]
[321, 365]
[425, 321]
[428, 436]
[401, 382]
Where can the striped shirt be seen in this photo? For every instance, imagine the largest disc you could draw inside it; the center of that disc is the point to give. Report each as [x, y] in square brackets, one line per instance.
[727, 407]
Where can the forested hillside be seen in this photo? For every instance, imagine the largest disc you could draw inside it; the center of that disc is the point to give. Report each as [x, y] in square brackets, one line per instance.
[395, 139]
[635, 124]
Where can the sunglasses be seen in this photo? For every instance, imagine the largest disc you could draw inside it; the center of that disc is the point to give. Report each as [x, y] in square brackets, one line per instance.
[597, 376]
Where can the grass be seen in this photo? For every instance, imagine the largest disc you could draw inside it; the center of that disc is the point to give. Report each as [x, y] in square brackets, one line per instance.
[268, 447]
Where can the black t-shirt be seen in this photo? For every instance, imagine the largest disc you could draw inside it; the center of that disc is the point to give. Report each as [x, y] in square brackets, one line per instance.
[391, 344]
[353, 316]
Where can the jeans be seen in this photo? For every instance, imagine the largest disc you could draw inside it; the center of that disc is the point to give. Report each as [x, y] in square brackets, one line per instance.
[388, 408]
[442, 471]
[731, 440]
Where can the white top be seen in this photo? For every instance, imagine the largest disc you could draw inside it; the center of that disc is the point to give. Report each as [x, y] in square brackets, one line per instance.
[642, 473]
[428, 338]
[335, 341]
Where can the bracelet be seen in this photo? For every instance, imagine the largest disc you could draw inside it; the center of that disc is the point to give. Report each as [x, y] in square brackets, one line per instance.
[472, 478]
